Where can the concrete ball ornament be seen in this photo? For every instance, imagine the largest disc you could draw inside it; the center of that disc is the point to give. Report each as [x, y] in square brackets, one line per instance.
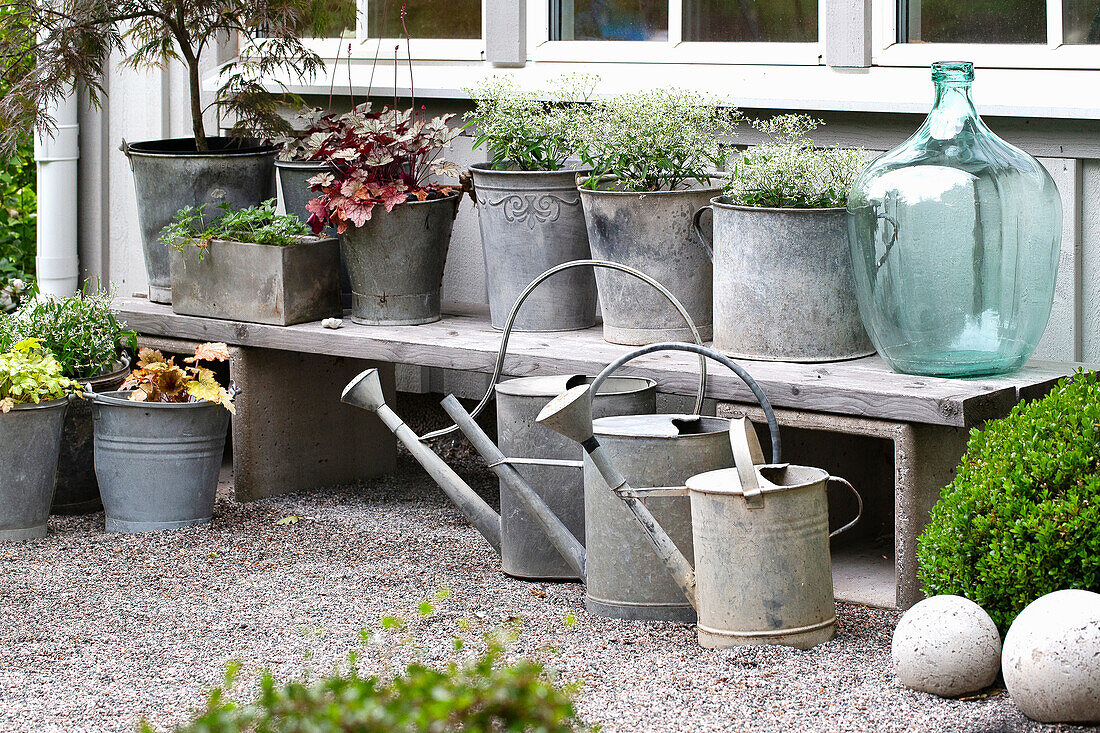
[947, 646]
[1051, 660]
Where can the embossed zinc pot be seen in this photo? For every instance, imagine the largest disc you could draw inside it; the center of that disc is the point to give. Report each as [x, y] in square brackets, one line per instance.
[650, 232]
[531, 221]
[395, 261]
[77, 489]
[171, 174]
[783, 284]
[30, 438]
[157, 463]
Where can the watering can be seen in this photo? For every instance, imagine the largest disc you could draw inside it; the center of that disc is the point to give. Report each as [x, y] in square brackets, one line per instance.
[760, 531]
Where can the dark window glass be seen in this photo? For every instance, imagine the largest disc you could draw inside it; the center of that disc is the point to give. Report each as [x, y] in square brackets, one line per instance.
[337, 17]
[973, 21]
[425, 18]
[751, 20]
[609, 20]
[1081, 21]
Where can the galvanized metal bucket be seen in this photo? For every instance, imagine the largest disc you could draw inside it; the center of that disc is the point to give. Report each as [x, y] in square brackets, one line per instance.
[395, 262]
[550, 464]
[157, 463]
[30, 439]
[783, 284]
[171, 174]
[531, 221]
[650, 232]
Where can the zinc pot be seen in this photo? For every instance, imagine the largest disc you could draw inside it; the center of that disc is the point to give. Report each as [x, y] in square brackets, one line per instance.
[157, 463]
[783, 284]
[258, 283]
[651, 232]
[171, 174]
[531, 221]
[30, 439]
[395, 262]
[77, 489]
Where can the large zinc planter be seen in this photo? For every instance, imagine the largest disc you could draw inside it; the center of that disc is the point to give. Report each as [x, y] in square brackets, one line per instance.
[171, 174]
[77, 489]
[157, 463]
[295, 193]
[531, 221]
[258, 283]
[651, 232]
[30, 438]
[783, 284]
[395, 262]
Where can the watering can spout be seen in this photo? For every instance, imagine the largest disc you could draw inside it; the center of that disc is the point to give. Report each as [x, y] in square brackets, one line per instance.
[570, 414]
[365, 391]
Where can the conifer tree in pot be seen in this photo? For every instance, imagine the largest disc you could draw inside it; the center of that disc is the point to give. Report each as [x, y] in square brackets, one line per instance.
[73, 41]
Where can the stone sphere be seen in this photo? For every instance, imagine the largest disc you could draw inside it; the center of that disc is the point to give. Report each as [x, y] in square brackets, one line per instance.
[948, 646]
[1051, 660]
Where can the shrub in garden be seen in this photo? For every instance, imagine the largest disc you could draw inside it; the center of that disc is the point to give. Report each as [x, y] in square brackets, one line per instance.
[1022, 517]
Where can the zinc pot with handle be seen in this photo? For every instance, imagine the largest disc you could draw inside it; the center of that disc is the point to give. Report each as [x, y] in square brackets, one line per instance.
[531, 221]
[30, 440]
[157, 463]
[783, 283]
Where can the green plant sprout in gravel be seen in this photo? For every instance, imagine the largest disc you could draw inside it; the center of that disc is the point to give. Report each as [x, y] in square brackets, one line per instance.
[786, 171]
[30, 374]
[527, 131]
[1022, 517]
[661, 140]
[81, 331]
[254, 225]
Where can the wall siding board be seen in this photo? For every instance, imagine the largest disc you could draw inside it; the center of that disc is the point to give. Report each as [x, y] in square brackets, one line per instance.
[1062, 339]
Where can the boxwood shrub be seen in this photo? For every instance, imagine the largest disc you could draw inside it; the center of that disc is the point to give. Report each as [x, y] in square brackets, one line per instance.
[1022, 517]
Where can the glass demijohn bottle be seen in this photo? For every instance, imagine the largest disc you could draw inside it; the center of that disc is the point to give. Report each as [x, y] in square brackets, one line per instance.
[955, 239]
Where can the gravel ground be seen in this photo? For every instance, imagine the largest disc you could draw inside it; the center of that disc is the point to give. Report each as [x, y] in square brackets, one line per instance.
[100, 630]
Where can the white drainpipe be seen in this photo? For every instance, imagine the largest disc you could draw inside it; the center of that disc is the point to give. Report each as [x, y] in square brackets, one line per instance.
[57, 263]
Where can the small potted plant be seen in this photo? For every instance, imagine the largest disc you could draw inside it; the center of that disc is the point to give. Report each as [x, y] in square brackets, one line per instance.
[527, 202]
[83, 333]
[395, 222]
[783, 283]
[159, 442]
[252, 265]
[33, 396]
[653, 157]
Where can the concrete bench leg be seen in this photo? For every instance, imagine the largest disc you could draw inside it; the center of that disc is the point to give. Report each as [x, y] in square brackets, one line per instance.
[292, 432]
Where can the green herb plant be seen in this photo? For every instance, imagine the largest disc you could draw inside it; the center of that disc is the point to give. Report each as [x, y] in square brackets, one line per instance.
[660, 140]
[1022, 517]
[786, 171]
[158, 379]
[254, 225]
[31, 374]
[81, 331]
[527, 131]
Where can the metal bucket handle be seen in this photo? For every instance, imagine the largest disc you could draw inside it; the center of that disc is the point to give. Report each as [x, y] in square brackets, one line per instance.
[695, 220]
[507, 333]
[761, 398]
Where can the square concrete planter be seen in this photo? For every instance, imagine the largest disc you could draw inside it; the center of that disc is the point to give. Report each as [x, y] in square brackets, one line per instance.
[258, 283]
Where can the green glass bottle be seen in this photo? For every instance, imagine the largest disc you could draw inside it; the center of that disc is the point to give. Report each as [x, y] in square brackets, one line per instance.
[955, 237]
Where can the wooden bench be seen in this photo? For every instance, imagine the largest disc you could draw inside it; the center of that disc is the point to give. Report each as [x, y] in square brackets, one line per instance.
[847, 417]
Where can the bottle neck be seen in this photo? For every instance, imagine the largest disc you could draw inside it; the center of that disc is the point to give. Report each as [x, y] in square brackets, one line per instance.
[952, 111]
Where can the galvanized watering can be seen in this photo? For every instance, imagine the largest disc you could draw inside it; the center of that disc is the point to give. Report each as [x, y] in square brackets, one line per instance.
[760, 532]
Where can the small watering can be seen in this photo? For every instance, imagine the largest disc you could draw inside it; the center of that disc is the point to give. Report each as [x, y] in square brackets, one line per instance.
[760, 532]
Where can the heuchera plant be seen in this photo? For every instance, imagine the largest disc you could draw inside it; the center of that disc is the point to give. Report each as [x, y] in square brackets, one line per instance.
[376, 158]
[158, 379]
[30, 374]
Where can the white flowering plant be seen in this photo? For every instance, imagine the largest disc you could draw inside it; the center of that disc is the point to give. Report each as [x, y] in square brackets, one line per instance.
[786, 170]
[527, 130]
[659, 140]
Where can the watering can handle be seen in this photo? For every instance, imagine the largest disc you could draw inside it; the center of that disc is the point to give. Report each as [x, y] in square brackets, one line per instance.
[695, 221]
[747, 454]
[859, 504]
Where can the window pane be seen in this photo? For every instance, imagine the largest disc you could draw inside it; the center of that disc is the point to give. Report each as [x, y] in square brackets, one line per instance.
[751, 20]
[609, 20]
[337, 17]
[974, 21]
[424, 18]
[1081, 21]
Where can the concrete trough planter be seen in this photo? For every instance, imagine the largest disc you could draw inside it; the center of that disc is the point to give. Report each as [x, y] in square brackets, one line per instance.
[531, 221]
[258, 283]
[783, 284]
[157, 463]
[30, 440]
[651, 232]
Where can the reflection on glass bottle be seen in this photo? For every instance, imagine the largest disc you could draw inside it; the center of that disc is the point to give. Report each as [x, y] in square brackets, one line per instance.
[955, 238]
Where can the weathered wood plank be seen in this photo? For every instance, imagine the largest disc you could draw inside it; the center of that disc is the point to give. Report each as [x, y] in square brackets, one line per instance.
[863, 387]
